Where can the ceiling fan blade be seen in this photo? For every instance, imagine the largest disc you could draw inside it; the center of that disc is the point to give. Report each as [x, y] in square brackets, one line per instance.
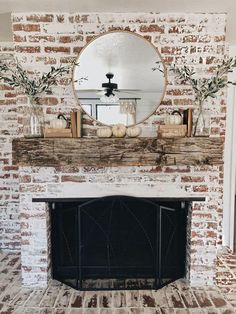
[90, 90]
[127, 90]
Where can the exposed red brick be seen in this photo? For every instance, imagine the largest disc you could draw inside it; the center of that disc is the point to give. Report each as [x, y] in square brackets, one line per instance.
[77, 50]
[175, 50]
[6, 87]
[28, 49]
[192, 179]
[90, 38]
[183, 102]
[168, 59]
[152, 28]
[176, 169]
[57, 49]
[190, 39]
[49, 101]
[26, 27]
[10, 95]
[40, 18]
[179, 92]
[148, 37]
[40, 38]
[70, 39]
[19, 38]
[200, 188]
[10, 168]
[5, 102]
[66, 178]
[119, 28]
[166, 102]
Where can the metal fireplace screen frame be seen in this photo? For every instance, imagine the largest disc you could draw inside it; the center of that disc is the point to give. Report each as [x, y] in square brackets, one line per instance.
[118, 242]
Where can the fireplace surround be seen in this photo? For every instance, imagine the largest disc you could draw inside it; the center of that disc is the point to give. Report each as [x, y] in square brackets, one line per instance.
[166, 178]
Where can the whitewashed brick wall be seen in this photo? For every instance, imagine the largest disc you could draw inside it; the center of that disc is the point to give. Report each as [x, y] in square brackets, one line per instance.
[9, 196]
[42, 40]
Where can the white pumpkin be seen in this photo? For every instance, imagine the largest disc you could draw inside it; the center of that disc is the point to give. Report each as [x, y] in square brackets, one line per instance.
[104, 132]
[119, 130]
[133, 131]
[58, 123]
[174, 118]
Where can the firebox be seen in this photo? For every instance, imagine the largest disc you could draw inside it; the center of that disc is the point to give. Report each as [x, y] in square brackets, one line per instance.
[118, 242]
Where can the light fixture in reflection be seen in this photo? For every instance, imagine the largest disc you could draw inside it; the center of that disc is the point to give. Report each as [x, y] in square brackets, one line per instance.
[111, 99]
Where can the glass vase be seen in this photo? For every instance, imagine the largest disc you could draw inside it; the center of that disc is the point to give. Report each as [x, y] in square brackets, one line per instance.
[33, 120]
[201, 126]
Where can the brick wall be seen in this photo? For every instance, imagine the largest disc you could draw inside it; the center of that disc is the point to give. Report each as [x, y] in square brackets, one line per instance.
[42, 40]
[9, 213]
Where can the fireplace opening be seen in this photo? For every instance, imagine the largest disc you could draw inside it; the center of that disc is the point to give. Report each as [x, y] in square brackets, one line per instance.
[118, 242]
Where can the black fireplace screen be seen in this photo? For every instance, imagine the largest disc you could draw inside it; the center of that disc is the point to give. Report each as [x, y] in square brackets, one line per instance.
[118, 242]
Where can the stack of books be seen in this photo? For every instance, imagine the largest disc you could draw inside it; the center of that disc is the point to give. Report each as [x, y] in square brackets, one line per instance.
[74, 131]
[57, 132]
[76, 123]
[182, 130]
[188, 121]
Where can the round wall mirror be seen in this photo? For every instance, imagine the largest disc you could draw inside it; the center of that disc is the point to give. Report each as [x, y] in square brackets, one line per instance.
[115, 81]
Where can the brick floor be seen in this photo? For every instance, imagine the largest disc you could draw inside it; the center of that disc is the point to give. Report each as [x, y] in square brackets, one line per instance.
[226, 276]
[176, 298]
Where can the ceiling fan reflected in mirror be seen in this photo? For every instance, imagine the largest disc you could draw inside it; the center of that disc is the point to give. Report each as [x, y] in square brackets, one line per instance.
[109, 96]
[109, 89]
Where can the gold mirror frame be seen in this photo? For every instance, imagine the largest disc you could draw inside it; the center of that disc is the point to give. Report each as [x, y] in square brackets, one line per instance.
[156, 51]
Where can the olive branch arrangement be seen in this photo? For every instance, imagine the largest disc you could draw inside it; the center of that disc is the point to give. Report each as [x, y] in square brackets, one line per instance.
[206, 87]
[14, 75]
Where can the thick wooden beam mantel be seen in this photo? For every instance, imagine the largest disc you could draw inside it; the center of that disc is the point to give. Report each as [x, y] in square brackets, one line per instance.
[118, 152]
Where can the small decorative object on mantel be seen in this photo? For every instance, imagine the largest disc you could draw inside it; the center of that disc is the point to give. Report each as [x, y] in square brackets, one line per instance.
[104, 131]
[76, 123]
[59, 127]
[174, 118]
[62, 133]
[204, 88]
[188, 120]
[14, 75]
[172, 130]
[59, 123]
[173, 126]
[133, 131]
[119, 130]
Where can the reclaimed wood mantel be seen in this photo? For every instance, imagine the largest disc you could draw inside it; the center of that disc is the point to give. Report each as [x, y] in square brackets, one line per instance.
[117, 152]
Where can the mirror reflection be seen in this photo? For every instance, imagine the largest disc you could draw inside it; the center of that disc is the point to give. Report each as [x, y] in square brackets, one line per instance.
[120, 85]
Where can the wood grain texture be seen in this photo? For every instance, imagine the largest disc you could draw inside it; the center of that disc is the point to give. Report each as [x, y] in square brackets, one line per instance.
[118, 152]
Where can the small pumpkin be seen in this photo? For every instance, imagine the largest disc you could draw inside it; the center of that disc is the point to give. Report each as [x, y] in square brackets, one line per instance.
[133, 131]
[119, 130]
[174, 118]
[104, 132]
[58, 123]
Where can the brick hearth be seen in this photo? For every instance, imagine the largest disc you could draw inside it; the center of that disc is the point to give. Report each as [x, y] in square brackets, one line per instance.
[177, 298]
